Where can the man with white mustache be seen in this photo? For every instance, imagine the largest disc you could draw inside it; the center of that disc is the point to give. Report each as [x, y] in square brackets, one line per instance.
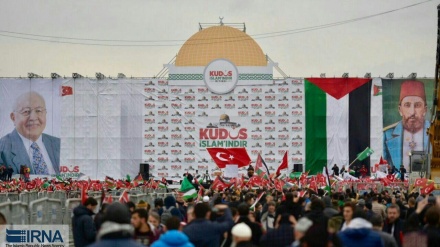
[27, 144]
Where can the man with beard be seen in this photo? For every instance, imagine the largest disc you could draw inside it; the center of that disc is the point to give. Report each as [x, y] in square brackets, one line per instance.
[144, 232]
[409, 134]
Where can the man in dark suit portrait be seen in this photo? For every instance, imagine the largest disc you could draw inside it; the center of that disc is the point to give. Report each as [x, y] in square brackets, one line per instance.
[27, 144]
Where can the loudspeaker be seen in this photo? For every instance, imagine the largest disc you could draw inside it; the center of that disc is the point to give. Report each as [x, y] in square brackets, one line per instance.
[419, 161]
[297, 167]
[144, 169]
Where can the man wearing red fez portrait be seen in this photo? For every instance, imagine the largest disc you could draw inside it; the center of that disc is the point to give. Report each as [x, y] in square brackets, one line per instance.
[409, 134]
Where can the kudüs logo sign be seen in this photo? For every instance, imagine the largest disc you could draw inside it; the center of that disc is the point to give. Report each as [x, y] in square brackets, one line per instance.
[220, 76]
[38, 235]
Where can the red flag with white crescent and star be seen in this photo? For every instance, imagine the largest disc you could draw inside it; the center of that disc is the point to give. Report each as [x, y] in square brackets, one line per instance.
[229, 156]
[427, 189]
[420, 182]
[66, 90]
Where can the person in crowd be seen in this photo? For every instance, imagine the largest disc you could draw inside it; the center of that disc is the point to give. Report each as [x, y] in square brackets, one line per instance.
[378, 208]
[173, 237]
[190, 214]
[170, 209]
[241, 235]
[329, 210]
[99, 217]
[359, 232]
[154, 219]
[116, 230]
[411, 207]
[10, 171]
[348, 211]
[342, 171]
[143, 204]
[158, 206]
[257, 231]
[203, 232]
[387, 239]
[131, 206]
[282, 235]
[268, 218]
[3, 172]
[84, 230]
[27, 144]
[300, 230]
[402, 173]
[144, 231]
[316, 214]
[335, 169]
[393, 224]
[363, 171]
[250, 171]
[425, 221]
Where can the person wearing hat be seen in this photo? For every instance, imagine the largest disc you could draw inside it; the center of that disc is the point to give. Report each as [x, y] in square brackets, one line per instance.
[250, 171]
[409, 134]
[241, 235]
[116, 230]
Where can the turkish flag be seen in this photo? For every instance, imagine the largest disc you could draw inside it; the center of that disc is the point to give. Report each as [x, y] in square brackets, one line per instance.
[84, 193]
[283, 165]
[108, 199]
[390, 177]
[124, 197]
[420, 182]
[229, 156]
[427, 189]
[219, 184]
[66, 90]
[255, 181]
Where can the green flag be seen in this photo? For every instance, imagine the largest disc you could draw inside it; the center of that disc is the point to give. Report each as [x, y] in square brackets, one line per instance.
[295, 175]
[188, 189]
[365, 154]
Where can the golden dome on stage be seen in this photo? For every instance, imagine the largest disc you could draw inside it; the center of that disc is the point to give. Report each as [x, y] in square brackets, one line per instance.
[220, 42]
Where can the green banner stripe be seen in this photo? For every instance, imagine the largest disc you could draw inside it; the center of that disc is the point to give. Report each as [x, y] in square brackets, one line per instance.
[316, 132]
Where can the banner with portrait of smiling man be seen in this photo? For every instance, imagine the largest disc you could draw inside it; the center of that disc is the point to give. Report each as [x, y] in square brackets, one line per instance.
[30, 125]
[406, 111]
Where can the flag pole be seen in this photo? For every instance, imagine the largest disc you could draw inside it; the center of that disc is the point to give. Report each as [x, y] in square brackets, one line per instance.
[352, 162]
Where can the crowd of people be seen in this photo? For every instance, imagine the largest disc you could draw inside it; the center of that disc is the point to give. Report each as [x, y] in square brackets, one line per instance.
[261, 217]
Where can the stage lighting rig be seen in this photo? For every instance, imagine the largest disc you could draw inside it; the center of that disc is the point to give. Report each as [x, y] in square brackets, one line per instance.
[76, 76]
[33, 75]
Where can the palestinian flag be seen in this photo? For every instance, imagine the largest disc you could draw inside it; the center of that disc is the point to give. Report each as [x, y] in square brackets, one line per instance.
[261, 172]
[339, 116]
[187, 189]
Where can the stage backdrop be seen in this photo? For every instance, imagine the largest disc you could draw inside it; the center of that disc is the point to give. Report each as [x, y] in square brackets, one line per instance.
[107, 127]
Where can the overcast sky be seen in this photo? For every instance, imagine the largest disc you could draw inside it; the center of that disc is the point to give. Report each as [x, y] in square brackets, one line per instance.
[402, 42]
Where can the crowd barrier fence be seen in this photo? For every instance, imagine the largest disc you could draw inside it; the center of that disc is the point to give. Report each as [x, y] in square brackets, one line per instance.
[56, 208]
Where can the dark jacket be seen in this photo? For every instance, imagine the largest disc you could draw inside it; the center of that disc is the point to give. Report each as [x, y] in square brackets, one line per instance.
[84, 231]
[245, 244]
[118, 242]
[398, 230]
[282, 236]
[205, 233]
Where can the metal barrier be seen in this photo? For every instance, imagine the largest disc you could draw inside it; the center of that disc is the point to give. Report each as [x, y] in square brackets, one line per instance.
[55, 211]
[68, 213]
[19, 213]
[3, 197]
[13, 197]
[5, 209]
[39, 212]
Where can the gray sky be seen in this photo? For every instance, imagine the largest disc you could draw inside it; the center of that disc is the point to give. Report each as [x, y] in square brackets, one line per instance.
[401, 42]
